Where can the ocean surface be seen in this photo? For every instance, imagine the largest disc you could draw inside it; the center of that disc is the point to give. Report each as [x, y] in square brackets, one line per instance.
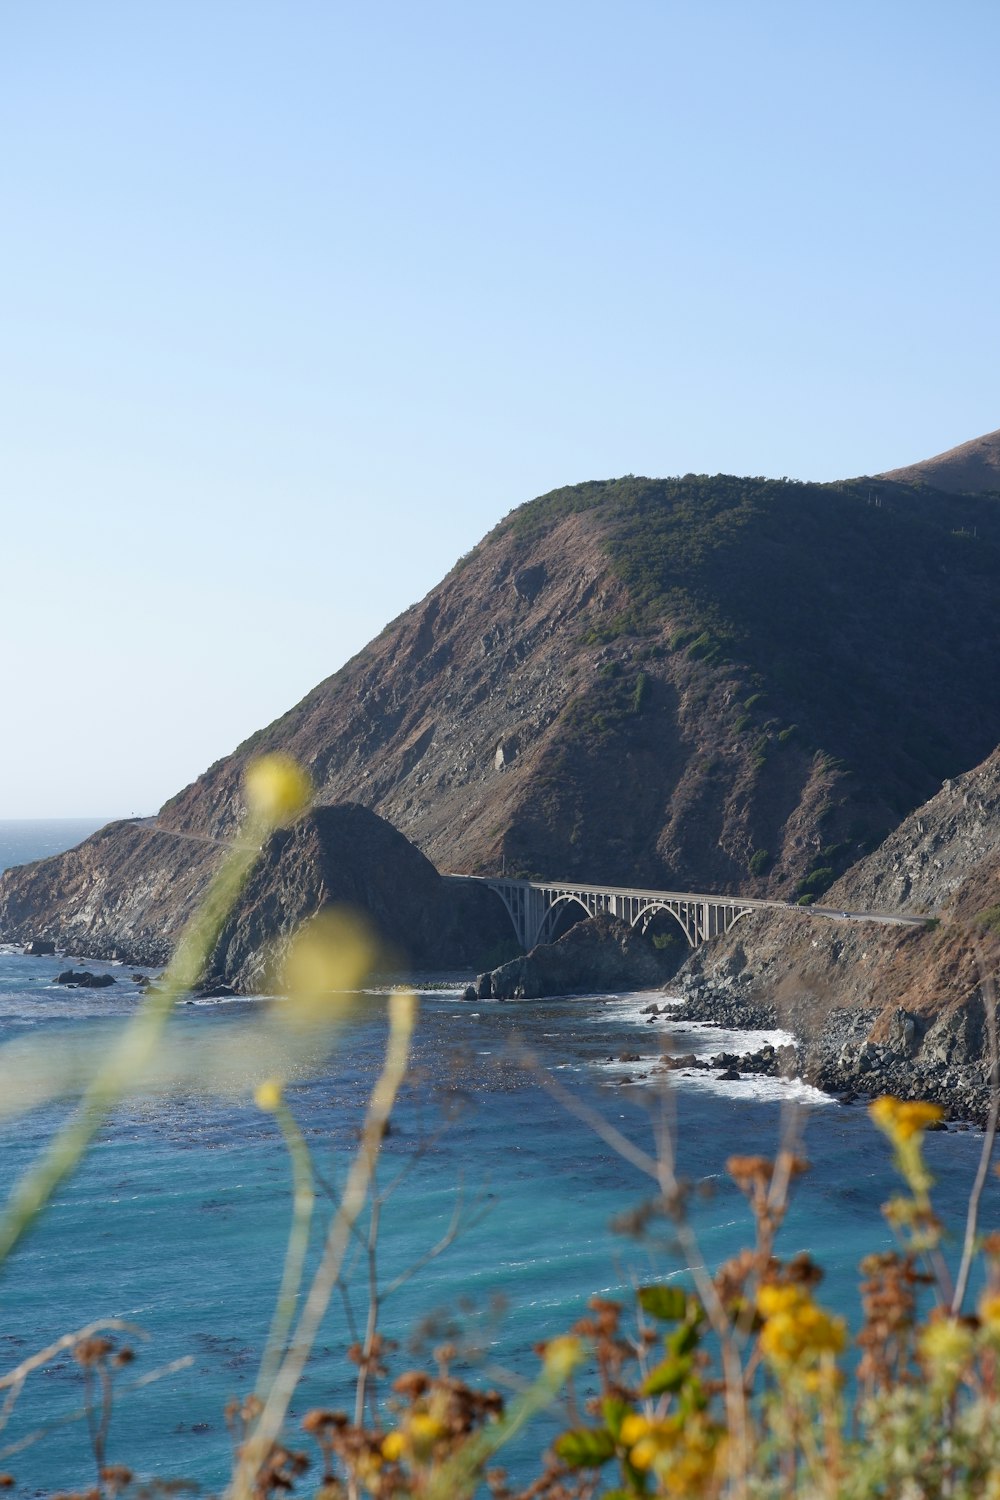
[178, 1218]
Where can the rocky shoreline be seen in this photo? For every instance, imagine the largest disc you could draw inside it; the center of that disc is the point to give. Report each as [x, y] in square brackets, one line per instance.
[945, 1065]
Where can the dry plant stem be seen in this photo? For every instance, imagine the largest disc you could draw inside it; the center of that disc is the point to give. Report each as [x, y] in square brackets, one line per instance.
[662, 1170]
[378, 1296]
[40, 1433]
[98, 1425]
[371, 1325]
[458, 1477]
[972, 1220]
[13, 1381]
[303, 1201]
[402, 1009]
[130, 1054]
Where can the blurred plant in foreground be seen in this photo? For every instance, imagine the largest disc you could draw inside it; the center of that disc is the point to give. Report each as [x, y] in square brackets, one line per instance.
[732, 1384]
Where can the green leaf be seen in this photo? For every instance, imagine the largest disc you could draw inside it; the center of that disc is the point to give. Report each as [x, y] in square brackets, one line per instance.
[668, 1376]
[668, 1303]
[585, 1447]
[614, 1413]
[683, 1339]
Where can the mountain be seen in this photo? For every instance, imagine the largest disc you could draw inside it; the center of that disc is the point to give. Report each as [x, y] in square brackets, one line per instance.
[971, 468]
[703, 683]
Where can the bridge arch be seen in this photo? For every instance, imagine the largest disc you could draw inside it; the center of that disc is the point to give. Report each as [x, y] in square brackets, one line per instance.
[535, 906]
[556, 909]
[644, 916]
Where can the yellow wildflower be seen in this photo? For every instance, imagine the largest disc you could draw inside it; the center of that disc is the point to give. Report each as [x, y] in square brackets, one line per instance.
[268, 1095]
[946, 1345]
[393, 1445]
[562, 1355]
[277, 789]
[645, 1439]
[796, 1332]
[989, 1311]
[423, 1432]
[685, 1454]
[327, 961]
[902, 1119]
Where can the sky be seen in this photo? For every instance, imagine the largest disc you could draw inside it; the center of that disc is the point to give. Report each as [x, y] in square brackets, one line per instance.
[298, 298]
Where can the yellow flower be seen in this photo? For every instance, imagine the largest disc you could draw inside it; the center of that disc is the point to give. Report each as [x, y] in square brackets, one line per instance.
[277, 789]
[268, 1095]
[901, 1119]
[989, 1311]
[393, 1446]
[684, 1453]
[423, 1432]
[796, 1332]
[645, 1440]
[946, 1345]
[327, 961]
[773, 1299]
[562, 1355]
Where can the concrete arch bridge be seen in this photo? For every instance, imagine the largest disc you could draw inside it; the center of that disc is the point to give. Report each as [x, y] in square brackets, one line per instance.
[535, 906]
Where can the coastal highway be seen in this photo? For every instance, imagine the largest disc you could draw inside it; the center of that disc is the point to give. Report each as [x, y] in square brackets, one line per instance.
[832, 913]
[892, 919]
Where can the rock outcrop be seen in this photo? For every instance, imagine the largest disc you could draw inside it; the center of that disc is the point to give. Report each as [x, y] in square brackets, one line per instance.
[347, 856]
[881, 1009]
[599, 953]
[336, 855]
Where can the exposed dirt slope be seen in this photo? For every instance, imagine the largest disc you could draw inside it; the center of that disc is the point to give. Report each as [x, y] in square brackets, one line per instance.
[943, 861]
[971, 468]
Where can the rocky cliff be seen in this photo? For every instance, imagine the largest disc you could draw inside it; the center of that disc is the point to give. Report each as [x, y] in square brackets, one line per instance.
[884, 1009]
[600, 953]
[343, 855]
[703, 683]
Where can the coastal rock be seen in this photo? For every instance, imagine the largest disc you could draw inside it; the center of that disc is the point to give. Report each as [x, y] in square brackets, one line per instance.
[347, 856]
[599, 953]
[83, 979]
[39, 947]
[881, 1008]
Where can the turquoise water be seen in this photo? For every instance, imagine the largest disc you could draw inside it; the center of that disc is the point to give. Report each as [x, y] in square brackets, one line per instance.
[177, 1220]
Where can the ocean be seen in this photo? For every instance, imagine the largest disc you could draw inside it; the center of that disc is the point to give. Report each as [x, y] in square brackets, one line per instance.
[177, 1220]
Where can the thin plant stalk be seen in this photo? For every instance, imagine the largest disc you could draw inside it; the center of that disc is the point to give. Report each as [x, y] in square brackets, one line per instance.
[133, 1050]
[402, 1016]
[985, 1156]
[303, 1202]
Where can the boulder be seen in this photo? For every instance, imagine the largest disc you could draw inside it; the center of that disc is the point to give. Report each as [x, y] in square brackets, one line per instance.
[39, 947]
[83, 979]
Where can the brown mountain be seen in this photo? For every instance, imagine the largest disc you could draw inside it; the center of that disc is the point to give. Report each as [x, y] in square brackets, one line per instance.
[971, 468]
[701, 683]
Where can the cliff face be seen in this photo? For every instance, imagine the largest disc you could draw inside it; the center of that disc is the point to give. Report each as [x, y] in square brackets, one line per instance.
[347, 856]
[342, 855]
[887, 1008]
[707, 683]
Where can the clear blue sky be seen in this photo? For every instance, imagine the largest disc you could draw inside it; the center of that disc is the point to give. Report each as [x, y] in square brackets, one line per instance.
[297, 299]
